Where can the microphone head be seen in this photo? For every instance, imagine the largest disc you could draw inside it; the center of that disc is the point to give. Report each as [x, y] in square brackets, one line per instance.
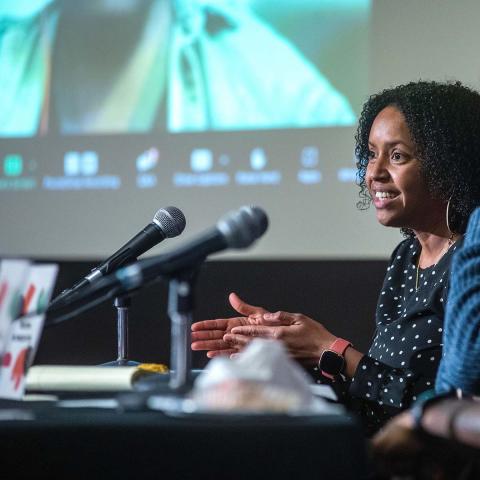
[170, 220]
[243, 226]
[259, 218]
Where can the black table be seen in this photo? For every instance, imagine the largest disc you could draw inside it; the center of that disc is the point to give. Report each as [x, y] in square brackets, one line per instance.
[45, 439]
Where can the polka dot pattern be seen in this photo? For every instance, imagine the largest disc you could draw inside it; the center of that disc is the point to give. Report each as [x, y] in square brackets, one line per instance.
[406, 349]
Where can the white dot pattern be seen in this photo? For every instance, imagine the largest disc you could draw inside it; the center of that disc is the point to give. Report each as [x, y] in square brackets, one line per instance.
[406, 348]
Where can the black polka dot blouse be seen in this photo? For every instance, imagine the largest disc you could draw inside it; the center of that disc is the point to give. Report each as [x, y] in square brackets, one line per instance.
[406, 349]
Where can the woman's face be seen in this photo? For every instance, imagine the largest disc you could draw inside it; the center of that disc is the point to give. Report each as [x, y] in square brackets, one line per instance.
[394, 179]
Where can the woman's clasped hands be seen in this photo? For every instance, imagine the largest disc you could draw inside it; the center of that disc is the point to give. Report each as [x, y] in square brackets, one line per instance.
[304, 338]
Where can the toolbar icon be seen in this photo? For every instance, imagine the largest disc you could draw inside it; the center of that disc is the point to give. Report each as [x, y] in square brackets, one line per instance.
[201, 160]
[80, 163]
[258, 159]
[147, 160]
[12, 165]
[309, 157]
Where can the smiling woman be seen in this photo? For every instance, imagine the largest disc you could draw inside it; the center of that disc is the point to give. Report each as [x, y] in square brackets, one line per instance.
[394, 180]
[418, 151]
[439, 122]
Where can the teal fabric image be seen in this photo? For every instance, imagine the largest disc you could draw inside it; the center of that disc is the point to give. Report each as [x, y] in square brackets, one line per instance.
[159, 65]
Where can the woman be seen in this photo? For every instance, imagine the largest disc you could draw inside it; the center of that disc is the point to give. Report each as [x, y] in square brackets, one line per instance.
[418, 151]
[440, 436]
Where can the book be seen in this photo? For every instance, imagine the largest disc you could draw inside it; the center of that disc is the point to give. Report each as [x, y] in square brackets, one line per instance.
[79, 378]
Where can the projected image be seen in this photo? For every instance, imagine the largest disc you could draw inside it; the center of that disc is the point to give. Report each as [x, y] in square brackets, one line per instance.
[143, 66]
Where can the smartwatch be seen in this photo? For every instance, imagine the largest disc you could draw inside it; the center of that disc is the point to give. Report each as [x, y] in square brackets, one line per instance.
[332, 361]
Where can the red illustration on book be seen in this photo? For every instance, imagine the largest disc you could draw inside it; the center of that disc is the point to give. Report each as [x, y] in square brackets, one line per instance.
[3, 292]
[6, 360]
[28, 298]
[19, 368]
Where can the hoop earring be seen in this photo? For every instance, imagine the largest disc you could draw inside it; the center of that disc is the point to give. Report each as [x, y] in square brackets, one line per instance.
[447, 214]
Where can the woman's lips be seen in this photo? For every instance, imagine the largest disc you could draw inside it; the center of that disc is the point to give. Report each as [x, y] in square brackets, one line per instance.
[382, 199]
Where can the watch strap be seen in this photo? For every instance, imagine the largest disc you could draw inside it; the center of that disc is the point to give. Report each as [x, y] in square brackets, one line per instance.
[339, 346]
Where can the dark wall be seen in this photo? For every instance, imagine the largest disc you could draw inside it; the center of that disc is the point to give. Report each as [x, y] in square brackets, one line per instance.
[340, 294]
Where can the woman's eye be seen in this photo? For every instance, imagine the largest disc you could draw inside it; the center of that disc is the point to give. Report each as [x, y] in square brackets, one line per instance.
[397, 156]
[371, 154]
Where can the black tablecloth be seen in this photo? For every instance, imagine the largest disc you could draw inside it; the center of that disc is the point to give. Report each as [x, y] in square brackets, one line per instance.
[46, 439]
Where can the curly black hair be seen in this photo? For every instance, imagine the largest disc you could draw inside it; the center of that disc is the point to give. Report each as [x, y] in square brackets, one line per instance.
[444, 122]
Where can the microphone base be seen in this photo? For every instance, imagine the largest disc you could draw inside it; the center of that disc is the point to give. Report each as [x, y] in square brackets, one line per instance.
[120, 363]
[161, 383]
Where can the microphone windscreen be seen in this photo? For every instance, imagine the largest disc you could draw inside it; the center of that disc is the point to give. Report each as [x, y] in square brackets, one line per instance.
[259, 219]
[243, 226]
[170, 220]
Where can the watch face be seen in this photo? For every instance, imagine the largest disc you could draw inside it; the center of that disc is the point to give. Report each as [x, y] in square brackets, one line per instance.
[331, 362]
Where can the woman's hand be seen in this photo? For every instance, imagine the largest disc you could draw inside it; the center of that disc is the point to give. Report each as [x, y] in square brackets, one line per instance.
[304, 338]
[209, 334]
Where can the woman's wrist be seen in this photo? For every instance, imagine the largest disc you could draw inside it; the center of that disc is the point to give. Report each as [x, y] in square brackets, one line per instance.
[324, 343]
[332, 362]
[352, 359]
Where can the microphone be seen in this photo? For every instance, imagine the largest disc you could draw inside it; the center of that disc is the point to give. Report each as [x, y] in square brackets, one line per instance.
[168, 222]
[238, 229]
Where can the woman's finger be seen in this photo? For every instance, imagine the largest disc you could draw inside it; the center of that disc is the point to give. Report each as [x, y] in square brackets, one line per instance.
[278, 318]
[249, 331]
[238, 341]
[209, 345]
[216, 324]
[207, 335]
[242, 307]
[220, 353]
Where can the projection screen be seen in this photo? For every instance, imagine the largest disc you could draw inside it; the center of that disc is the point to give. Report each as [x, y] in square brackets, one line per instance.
[112, 109]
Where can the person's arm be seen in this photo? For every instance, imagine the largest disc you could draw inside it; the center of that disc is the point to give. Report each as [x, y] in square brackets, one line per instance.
[378, 392]
[454, 419]
[352, 359]
[304, 338]
[446, 427]
[460, 365]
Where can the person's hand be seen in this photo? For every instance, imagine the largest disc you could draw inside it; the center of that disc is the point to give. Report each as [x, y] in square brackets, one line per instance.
[396, 449]
[304, 338]
[399, 450]
[209, 334]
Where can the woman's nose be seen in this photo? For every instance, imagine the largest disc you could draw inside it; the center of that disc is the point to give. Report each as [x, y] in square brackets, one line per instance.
[377, 168]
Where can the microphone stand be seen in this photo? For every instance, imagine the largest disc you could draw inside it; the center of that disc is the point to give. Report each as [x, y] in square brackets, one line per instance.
[122, 303]
[180, 307]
